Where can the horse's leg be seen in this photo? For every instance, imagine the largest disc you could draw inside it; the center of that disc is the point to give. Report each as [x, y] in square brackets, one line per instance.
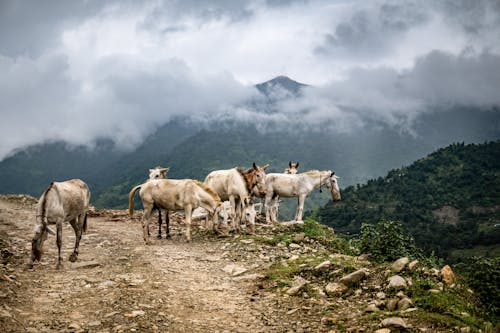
[59, 243]
[77, 225]
[238, 214]
[232, 214]
[146, 216]
[188, 209]
[159, 222]
[268, 204]
[300, 207]
[167, 222]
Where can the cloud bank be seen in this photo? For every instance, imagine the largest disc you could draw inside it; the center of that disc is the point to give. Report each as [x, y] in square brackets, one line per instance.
[82, 70]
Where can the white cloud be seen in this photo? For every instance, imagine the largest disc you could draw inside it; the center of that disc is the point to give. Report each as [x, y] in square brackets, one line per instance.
[92, 69]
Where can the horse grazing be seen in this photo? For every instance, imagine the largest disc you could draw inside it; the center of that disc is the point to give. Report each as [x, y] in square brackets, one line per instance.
[298, 185]
[174, 194]
[161, 173]
[61, 202]
[237, 186]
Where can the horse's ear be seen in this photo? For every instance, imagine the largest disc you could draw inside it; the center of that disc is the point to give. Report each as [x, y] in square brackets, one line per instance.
[165, 170]
[297, 165]
[333, 173]
[254, 166]
[151, 170]
[265, 166]
[289, 164]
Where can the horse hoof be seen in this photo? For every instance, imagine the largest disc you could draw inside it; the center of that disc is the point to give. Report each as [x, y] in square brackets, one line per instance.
[73, 257]
[159, 236]
[168, 237]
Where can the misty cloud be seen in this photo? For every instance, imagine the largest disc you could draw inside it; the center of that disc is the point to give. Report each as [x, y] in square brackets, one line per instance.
[81, 71]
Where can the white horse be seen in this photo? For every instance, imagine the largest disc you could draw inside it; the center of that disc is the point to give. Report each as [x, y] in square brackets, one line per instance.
[298, 185]
[291, 170]
[237, 185]
[61, 202]
[174, 194]
[161, 173]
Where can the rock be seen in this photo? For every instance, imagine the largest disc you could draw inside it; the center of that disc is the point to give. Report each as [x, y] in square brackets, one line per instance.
[335, 289]
[380, 295]
[94, 323]
[404, 304]
[247, 241]
[294, 246]
[383, 330]
[412, 265]
[299, 237]
[234, 270]
[397, 282]
[354, 277]
[106, 284]
[393, 323]
[85, 264]
[447, 275]
[392, 304]
[135, 313]
[249, 277]
[298, 284]
[372, 308]
[74, 327]
[399, 264]
[323, 266]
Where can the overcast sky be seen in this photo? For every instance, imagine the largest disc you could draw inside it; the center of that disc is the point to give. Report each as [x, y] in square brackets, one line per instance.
[81, 70]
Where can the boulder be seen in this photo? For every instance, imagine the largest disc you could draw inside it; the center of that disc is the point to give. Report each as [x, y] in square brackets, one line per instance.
[397, 282]
[447, 275]
[354, 277]
[404, 303]
[323, 266]
[399, 264]
[393, 323]
[335, 289]
[412, 265]
[298, 283]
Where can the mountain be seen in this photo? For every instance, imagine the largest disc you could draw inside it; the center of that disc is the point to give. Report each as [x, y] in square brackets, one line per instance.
[448, 201]
[192, 151]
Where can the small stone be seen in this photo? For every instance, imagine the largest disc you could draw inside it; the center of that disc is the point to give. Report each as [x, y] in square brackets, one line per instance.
[335, 289]
[380, 295]
[74, 326]
[372, 308]
[135, 313]
[299, 237]
[392, 304]
[294, 246]
[397, 282]
[298, 283]
[354, 277]
[94, 323]
[106, 284]
[383, 330]
[85, 264]
[323, 266]
[393, 323]
[412, 265]
[404, 304]
[399, 264]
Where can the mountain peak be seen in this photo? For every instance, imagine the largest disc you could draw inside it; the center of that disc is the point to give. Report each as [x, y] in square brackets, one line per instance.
[281, 82]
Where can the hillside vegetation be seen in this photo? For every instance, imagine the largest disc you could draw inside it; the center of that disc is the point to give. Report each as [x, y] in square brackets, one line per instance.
[448, 201]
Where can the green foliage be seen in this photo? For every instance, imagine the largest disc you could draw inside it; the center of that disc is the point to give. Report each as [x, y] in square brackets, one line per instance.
[386, 241]
[483, 276]
[464, 177]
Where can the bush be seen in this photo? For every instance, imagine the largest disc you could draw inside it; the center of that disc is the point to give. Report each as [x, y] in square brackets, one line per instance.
[483, 276]
[387, 241]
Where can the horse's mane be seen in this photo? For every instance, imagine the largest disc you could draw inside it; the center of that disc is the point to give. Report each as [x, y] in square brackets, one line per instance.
[208, 189]
[44, 202]
[243, 174]
[311, 172]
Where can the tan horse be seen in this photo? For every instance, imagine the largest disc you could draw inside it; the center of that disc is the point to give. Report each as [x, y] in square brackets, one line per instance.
[161, 173]
[298, 185]
[174, 194]
[236, 185]
[61, 202]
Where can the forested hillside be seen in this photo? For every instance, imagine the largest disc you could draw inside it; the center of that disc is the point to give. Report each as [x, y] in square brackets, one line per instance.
[449, 200]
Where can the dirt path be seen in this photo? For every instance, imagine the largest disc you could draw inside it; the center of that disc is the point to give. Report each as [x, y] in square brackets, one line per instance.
[118, 284]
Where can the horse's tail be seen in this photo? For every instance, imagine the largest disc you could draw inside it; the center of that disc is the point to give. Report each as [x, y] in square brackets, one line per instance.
[131, 199]
[43, 208]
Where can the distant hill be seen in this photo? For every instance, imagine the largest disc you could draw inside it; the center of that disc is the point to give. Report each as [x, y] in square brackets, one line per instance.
[192, 150]
[449, 201]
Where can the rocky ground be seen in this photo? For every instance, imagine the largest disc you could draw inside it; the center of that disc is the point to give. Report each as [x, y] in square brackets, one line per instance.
[235, 284]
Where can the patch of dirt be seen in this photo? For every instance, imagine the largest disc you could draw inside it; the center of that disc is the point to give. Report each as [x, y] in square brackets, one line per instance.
[120, 285]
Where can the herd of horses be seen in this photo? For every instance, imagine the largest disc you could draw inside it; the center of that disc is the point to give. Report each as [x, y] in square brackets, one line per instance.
[224, 195]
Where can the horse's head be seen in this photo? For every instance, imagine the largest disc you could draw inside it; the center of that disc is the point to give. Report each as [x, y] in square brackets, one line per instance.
[158, 173]
[40, 235]
[249, 213]
[257, 178]
[292, 168]
[333, 186]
